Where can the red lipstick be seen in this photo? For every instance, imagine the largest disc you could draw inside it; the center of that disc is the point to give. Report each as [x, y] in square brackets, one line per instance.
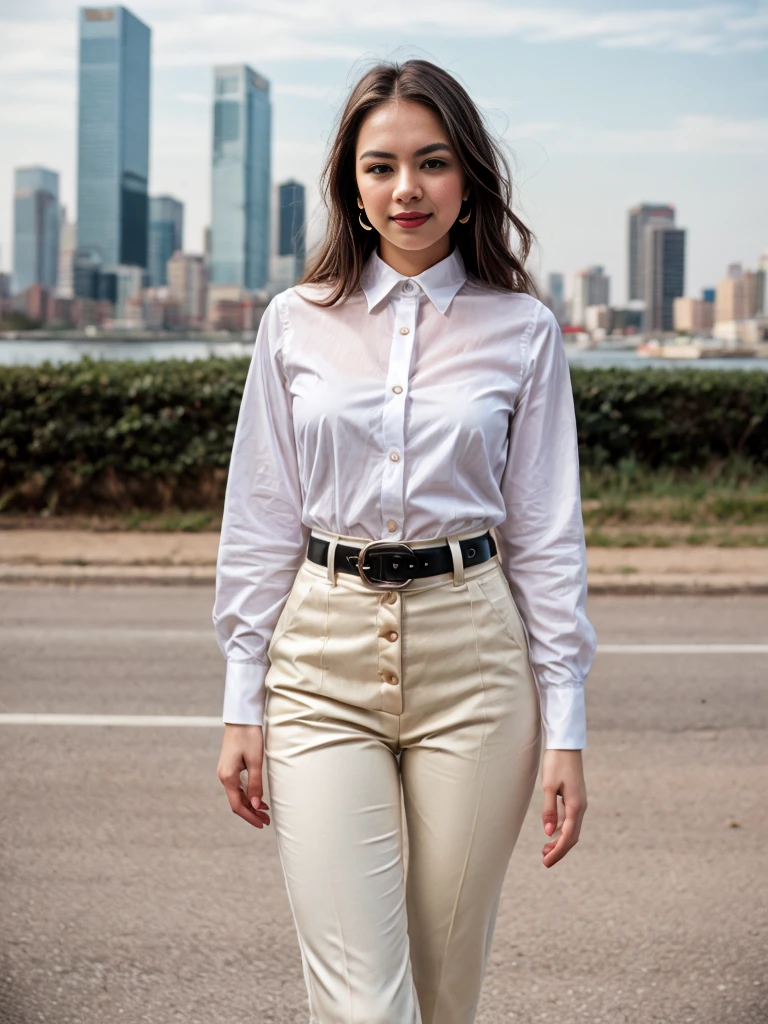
[413, 219]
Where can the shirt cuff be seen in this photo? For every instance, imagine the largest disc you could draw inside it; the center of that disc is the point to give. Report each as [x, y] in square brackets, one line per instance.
[244, 693]
[563, 713]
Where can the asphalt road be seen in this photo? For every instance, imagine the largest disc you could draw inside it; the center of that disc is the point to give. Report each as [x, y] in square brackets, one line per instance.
[130, 893]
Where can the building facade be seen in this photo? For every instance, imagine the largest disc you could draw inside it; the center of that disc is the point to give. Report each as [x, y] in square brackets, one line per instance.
[733, 299]
[65, 287]
[556, 288]
[691, 314]
[113, 136]
[240, 178]
[638, 219]
[663, 276]
[591, 287]
[166, 233]
[36, 216]
[187, 285]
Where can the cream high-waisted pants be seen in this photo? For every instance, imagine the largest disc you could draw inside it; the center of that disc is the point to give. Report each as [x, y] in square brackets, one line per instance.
[426, 695]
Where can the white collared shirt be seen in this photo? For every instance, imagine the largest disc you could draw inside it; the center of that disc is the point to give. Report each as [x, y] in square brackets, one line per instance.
[421, 406]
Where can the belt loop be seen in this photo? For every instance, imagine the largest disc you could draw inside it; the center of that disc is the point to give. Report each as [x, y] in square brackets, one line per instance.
[458, 559]
[332, 559]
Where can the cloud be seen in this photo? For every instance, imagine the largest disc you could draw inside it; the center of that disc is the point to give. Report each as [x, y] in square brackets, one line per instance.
[692, 134]
[305, 91]
[203, 33]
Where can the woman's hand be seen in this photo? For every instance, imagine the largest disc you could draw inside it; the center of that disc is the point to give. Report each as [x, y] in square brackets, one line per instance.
[243, 749]
[562, 774]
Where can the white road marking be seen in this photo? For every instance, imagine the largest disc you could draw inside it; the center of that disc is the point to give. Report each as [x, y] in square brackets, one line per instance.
[21, 718]
[682, 648]
[207, 722]
[105, 633]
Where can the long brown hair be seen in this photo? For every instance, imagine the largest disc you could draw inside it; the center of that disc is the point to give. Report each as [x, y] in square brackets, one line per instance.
[484, 242]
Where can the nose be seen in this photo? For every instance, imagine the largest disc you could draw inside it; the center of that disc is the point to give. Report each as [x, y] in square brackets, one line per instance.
[407, 187]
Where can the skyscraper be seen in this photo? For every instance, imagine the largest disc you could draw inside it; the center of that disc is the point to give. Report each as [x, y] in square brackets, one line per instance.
[240, 179]
[292, 237]
[166, 231]
[288, 244]
[35, 228]
[638, 219]
[664, 274]
[113, 136]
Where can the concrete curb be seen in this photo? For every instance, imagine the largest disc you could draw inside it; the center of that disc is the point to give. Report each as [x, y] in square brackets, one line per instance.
[636, 584]
[699, 586]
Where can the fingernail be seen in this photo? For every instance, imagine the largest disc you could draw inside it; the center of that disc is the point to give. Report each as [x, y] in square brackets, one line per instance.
[255, 803]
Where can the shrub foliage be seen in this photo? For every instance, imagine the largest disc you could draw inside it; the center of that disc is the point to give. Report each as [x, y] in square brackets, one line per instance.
[111, 435]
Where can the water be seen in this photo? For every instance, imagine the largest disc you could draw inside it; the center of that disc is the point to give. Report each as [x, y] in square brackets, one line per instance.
[630, 360]
[33, 352]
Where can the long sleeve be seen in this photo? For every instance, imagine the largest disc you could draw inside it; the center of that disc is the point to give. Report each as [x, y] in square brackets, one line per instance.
[541, 541]
[263, 540]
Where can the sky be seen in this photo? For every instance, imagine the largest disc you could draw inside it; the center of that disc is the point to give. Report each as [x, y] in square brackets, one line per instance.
[600, 106]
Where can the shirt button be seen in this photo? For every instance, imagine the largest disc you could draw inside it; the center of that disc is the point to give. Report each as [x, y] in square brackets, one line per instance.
[405, 330]
[392, 679]
[394, 456]
[397, 389]
[392, 636]
[407, 287]
[391, 597]
[391, 525]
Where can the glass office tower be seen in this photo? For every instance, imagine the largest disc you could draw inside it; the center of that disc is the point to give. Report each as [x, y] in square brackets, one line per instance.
[113, 136]
[166, 231]
[292, 229]
[36, 216]
[240, 178]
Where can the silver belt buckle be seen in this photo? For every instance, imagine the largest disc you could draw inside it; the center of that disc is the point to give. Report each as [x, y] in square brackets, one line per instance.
[394, 546]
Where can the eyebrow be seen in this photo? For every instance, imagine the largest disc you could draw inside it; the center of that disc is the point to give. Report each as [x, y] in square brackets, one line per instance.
[432, 148]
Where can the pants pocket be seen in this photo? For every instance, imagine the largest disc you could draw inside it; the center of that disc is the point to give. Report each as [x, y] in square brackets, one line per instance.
[300, 591]
[494, 590]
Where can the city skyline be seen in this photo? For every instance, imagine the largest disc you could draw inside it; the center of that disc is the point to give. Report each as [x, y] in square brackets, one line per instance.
[603, 110]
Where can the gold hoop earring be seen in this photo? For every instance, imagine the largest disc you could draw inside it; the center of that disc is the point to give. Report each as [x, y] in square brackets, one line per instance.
[463, 220]
[367, 227]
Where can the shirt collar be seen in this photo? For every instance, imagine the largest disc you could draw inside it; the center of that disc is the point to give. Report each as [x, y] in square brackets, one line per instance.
[439, 283]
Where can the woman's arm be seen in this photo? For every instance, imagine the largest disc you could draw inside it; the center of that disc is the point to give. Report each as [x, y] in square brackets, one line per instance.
[263, 540]
[543, 554]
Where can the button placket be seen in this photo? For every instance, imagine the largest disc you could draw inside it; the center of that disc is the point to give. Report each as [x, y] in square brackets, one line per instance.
[405, 310]
[389, 621]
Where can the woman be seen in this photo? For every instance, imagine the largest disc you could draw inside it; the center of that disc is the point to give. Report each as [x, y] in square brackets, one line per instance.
[413, 392]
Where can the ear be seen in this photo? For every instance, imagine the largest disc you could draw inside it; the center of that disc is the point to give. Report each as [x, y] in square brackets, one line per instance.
[467, 191]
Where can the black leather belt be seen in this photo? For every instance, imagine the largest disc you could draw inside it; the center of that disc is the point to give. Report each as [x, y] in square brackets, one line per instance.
[392, 564]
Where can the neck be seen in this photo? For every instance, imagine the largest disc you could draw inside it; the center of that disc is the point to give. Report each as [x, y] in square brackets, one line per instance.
[411, 262]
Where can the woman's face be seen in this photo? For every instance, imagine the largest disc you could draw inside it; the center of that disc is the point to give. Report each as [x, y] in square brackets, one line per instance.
[405, 165]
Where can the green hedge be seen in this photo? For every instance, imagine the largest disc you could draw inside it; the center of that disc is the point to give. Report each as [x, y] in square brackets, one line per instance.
[678, 418]
[112, 435]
